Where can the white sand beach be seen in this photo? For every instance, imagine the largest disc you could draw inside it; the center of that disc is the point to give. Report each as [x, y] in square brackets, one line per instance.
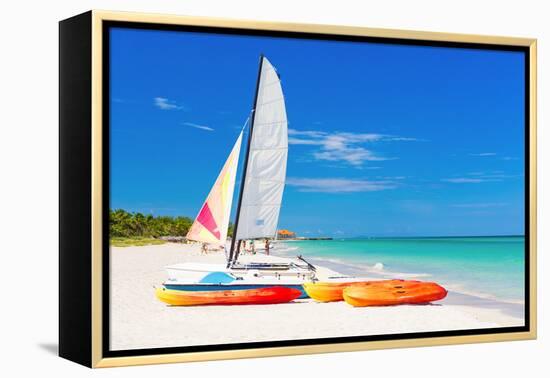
[139, 320]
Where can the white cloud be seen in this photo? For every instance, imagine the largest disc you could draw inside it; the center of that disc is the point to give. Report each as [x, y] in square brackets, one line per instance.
[403, 139]
[309, 142]
[464, 180]
[166, 104]
[339, 185]
[501, 176]
[353, 155]
[196, 126]
[342, 146]
[479, 177]
[479, 205]
[483, 154]
[310, 134]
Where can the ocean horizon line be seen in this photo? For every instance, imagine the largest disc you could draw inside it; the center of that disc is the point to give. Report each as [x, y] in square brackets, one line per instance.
[421, 237]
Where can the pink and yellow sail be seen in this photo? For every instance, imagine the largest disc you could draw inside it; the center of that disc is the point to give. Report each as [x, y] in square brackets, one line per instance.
[212, 222]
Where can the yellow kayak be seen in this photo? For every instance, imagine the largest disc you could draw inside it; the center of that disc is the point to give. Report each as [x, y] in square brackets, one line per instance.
[326, 291]
[334, 291]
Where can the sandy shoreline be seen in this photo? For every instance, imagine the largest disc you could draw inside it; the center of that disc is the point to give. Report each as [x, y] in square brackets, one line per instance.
[139, 320]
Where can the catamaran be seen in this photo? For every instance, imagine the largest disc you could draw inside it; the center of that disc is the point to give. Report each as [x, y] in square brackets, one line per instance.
[258, 207]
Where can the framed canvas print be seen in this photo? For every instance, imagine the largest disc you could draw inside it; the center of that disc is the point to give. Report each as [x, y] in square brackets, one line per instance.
[234, 189]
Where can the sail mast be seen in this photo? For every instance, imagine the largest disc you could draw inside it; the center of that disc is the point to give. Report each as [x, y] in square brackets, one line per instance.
[245, 166]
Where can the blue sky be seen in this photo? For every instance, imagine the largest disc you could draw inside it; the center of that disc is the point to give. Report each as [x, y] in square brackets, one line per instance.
[385, 140]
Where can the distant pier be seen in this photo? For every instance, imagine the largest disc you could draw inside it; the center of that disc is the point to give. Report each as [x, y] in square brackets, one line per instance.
[291, 235]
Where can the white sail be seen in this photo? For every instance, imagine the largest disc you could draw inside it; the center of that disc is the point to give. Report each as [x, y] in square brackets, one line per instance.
[266, 169]
[212, 222]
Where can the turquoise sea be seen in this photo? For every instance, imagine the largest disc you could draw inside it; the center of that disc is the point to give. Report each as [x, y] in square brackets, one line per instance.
[488, 267]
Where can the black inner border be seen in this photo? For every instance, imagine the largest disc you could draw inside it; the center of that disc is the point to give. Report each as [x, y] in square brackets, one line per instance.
[298, 35]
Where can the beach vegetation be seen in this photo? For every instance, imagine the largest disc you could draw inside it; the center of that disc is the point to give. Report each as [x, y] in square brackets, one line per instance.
[135, 228]
[124, 224]
[134, 241]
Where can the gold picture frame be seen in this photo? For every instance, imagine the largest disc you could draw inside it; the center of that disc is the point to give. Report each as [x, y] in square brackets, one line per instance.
[90, 330]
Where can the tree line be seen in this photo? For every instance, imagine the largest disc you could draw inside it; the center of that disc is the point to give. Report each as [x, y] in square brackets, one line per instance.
[134, 224]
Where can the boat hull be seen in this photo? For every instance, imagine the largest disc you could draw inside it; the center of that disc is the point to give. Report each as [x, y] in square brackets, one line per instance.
[217, 287]
[196, 271]
[269, 295]
[396, 292]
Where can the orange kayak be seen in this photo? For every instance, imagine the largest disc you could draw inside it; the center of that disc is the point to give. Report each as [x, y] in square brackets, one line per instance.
[398, 292]
[326, 291]
[268, 295]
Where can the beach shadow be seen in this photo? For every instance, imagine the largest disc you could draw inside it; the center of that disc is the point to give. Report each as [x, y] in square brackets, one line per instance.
[51, 348]
[425, 304]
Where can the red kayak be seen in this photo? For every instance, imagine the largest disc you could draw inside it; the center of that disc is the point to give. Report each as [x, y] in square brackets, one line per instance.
[268, 295]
